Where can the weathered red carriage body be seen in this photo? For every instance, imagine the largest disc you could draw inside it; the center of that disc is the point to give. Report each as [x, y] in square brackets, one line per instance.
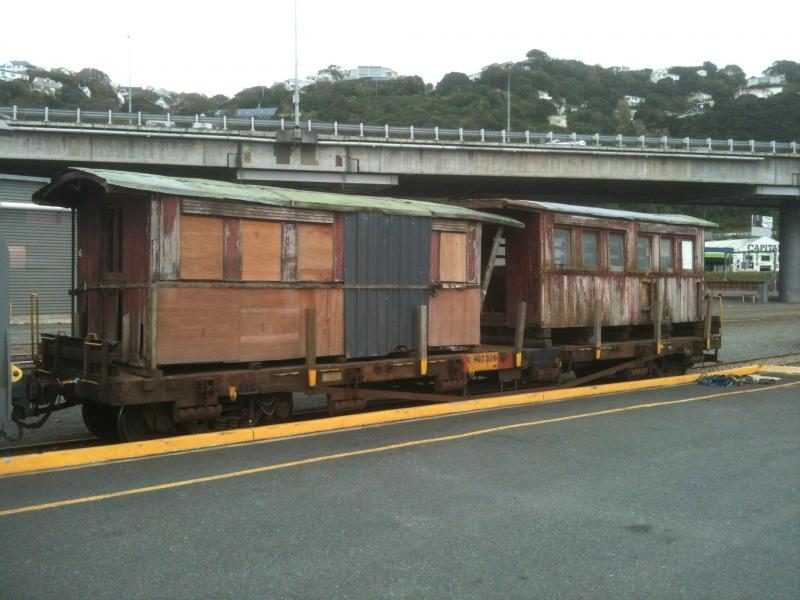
[574, 266]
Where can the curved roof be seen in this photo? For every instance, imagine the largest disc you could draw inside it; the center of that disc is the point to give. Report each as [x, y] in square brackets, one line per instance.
[589, 211]
[261, 194]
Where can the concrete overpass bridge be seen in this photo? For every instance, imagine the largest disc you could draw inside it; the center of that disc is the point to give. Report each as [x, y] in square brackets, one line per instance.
[412, 162]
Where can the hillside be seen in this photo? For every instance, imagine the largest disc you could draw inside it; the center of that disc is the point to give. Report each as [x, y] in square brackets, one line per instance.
[547, 94]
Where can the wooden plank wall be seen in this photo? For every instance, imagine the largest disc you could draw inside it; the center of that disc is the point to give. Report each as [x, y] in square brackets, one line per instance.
[202, 249]
[261, 250]
[209, 325]
[226, 322]
[452, 257]
[314, 252]
[454, 318]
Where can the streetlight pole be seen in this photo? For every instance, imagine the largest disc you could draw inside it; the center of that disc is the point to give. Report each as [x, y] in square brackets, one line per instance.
[130, 86]
[296, 96]
[508, 106]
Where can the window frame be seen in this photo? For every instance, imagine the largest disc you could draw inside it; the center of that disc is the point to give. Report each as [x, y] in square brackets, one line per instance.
[623, 267]
[597, 262]
[570, 248]
[649, 239]
[671, 240]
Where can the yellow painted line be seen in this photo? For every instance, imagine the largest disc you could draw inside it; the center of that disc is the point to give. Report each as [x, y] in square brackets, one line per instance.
[375, 450]
[29, 463]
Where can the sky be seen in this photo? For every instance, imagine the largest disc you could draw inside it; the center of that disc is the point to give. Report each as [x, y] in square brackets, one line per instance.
[222, 48]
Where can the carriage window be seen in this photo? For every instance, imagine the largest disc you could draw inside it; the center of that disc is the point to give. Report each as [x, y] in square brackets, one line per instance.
[644, 261]
[687, 255]
[562, 247]
[665, 260]
[589, 244]
[616, 251]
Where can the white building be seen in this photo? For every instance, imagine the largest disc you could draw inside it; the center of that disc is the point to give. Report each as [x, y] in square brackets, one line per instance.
[372, 72]
[543, 95]
[759, 92]
[659, 74]
[743, 254]
[702, 72]
[86, 91]
[46, 85]
[634, 100]
[766, 80]
[700, 97]
[14, 69]
[558, 121]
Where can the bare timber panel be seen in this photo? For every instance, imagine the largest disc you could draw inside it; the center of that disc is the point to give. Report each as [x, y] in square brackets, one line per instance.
[453, 257]
[570, 300]
[454, 318]
[197, 325]
[261, 250]
[245, 325]
[314, 252]
[202, 243]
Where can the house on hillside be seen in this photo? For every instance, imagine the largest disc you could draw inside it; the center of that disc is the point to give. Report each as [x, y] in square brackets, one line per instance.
[766, 80]
[659, 74]
[558, 121]
[14, 69]
[543, 95]
[759, 92]
[86, 91]
[633, 100]
[46, 85]
[372, 72]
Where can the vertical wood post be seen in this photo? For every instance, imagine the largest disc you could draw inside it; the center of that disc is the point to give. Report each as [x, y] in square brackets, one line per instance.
[487, 275]
[707, 323]
[311, 346]
[598, 331]
[519, 333]
[658, 316]
[422, 339]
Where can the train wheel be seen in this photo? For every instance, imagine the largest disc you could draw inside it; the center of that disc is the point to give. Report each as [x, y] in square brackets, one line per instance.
[100, 419]
[283, 406]
[144, 422]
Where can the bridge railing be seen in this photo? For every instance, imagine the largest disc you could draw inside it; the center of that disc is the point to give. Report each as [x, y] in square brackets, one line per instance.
[223, 124]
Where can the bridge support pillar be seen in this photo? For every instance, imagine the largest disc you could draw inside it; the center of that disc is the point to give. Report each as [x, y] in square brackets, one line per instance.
[790, 252]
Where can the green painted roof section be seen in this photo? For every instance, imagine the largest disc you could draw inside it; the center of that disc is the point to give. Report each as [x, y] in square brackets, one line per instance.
[283, 197]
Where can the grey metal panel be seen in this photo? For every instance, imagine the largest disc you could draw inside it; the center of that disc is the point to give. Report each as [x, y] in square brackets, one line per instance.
[19, 189]
[5, 340]
[390, 250]
[39, 242]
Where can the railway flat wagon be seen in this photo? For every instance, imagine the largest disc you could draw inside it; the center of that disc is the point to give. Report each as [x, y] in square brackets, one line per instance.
[597, 282]
[187, 290]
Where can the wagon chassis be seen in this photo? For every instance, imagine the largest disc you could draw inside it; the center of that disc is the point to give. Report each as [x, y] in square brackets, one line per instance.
[73, 371]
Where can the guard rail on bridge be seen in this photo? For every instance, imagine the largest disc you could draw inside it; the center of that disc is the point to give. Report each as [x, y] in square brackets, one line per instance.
[202, 124]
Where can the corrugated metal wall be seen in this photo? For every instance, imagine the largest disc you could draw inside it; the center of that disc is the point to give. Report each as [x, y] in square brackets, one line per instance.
[39, 242]
[392, 251]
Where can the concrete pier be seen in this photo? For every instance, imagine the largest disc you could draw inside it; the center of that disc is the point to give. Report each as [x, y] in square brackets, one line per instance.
[790, 252]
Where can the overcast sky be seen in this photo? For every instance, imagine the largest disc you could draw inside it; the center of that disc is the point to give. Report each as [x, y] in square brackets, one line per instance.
[223, 47]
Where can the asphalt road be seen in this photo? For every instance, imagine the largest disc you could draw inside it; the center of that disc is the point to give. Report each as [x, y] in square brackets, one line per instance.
[689, 500]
